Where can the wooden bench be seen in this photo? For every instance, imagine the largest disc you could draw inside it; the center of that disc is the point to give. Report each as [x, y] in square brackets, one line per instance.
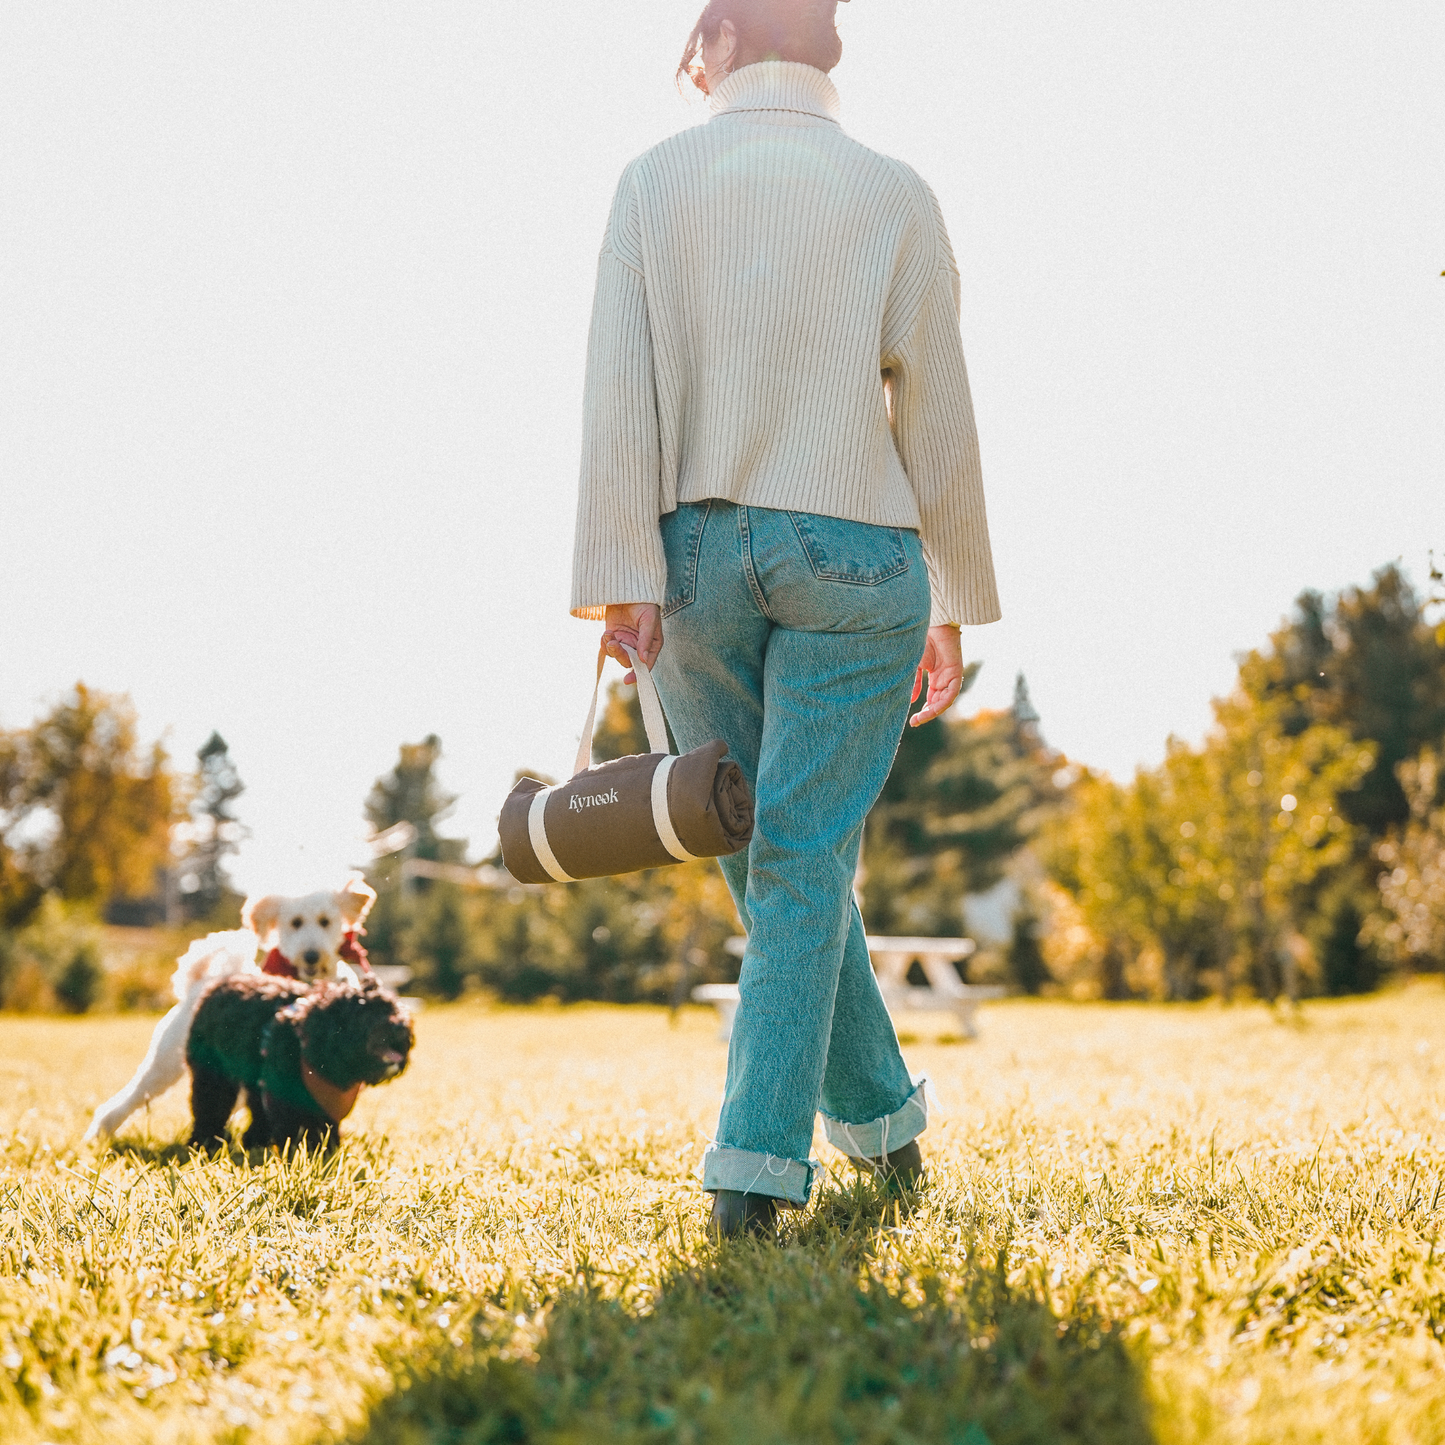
[892, 958]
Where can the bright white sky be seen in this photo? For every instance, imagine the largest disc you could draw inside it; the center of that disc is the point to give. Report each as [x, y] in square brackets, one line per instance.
[293, 306]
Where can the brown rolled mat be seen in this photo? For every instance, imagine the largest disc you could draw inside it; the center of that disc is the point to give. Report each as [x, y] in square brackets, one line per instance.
[602, 821]
[710, 803]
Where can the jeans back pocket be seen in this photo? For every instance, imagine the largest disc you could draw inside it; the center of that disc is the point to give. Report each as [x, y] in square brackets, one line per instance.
[681, 538]
[842, 551]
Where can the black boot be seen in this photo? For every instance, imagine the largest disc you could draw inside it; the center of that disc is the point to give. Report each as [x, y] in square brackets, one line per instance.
[901, 1172]
[735, 1213]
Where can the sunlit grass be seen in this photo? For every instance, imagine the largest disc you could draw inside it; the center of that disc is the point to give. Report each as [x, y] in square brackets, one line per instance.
[1186, 1224]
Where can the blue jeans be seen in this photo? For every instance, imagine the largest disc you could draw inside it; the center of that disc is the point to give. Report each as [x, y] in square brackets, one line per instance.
[794, 638]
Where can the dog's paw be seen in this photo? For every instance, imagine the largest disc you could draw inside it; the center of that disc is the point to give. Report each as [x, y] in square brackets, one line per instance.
[103, 1124]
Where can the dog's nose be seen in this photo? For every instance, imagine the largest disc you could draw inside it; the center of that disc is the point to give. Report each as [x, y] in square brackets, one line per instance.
[312, 956]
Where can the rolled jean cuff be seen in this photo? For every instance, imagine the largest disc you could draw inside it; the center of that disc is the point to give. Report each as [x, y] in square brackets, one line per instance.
[881, 1136]
[741, 1169]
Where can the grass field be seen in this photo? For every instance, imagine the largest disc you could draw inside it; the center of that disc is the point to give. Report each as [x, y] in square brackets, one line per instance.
[1184, 1224]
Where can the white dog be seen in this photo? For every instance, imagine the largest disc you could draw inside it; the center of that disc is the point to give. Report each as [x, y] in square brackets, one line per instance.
[312, 938]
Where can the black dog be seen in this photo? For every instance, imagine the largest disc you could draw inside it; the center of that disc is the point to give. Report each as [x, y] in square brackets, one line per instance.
[301, 1054]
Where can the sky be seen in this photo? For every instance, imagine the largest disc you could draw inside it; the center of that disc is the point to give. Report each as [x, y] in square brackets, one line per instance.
[293, 311]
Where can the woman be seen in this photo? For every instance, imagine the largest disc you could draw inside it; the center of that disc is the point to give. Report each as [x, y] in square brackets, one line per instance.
[780, 473]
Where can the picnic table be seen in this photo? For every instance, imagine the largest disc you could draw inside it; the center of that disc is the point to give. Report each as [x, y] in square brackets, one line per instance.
[892, 958]
[396, 976]
[724, 998]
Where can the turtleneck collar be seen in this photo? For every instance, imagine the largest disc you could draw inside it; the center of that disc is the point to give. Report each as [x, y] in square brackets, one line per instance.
[778, 85]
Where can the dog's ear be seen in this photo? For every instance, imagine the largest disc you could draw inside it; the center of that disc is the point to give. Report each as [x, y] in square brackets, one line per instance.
[260, 915]
[355, 899]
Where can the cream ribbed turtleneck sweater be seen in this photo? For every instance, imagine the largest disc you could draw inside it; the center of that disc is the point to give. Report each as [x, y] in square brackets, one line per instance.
[761, 274]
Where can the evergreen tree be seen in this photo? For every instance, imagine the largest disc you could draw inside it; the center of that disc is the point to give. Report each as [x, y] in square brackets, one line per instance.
[218, 832]
[1347, 962]
[439, 943]
[1025, 956]
[410, 793]
[961, 799]
[1370, 663]
[388, 925]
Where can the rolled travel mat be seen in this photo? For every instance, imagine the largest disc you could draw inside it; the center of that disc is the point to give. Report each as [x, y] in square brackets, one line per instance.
[644, 811]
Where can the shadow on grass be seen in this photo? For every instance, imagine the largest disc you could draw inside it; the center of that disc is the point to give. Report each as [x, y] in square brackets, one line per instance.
[150, 1151]
[181, 1151]
[816, 1339]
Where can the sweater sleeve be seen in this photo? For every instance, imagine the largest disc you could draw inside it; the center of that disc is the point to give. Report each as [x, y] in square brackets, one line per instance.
[617, 554]
[933, 429]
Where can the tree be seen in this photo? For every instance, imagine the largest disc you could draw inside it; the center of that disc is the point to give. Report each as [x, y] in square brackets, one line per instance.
[1283, 827]
[646, 935]
[1127, 856]
[1413, 887]
[961, 799]
[54, 960]
[412, 794]
[1026, 963]
[440, 943]
[1235, 862]
[1349, 962]
[85, 812]
[1203, 866]
[20, 891]
[215, 831]
[1368, 662]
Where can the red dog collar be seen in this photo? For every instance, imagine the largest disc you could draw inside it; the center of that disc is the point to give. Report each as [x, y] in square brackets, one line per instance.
[278, 964]
[350, 952]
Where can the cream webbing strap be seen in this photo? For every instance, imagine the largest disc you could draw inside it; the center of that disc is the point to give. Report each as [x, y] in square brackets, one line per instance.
[656, 725]
[653, 721]
[652, 718]
[537, 832]
[662, 815]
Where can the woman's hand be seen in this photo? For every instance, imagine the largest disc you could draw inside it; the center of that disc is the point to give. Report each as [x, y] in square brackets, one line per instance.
[943, 662]
[639, 625]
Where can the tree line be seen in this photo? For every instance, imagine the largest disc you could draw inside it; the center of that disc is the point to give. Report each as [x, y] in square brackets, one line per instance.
[96, 827]
[1298, 849]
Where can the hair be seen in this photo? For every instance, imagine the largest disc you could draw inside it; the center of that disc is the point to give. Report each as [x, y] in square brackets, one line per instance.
[800, 30]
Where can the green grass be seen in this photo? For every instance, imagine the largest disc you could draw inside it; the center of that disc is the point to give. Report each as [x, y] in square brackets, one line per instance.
[1184, 1224]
